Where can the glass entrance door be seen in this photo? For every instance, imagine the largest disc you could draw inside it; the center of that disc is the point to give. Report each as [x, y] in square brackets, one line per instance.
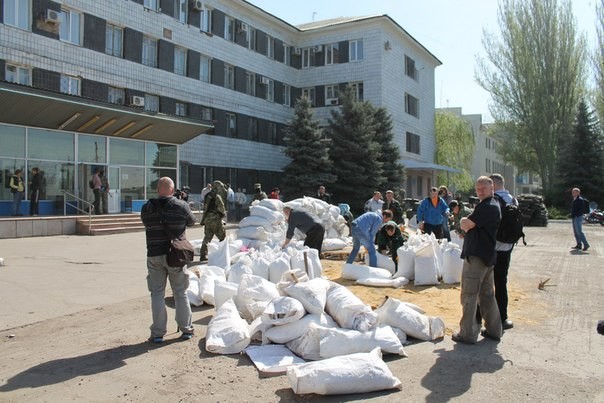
[115, 202]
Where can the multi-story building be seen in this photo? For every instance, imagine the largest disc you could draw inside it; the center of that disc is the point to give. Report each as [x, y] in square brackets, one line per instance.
[195, 90]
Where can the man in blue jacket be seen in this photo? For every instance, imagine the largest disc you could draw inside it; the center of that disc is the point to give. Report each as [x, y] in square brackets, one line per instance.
[430, 214]
[364, 229]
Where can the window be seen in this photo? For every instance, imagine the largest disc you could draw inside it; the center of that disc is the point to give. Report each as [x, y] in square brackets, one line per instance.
[151, 4]
[310, 94]
[250, 38]
[272, 133]
[253, 129]
[412, 143]
[286, 55]
[287, 95]
[357, 89]
[113, 40]
[180, 61]
[331, 97]
[181, 10]
[412, 105]
[204, 69]
[69, 30]
[149, 52]
[410, 68]
[250, 83]
[181, 109]
[206, 20]
[18, 74]
[229, 28]
[16, 13]
[306, 56]
[70, 85]
[356, 50]
[270, 47]
[487, 165]
[116, 96]
[231, 121]
[332, 53]
[229, 76]
[206, 113]
[151, 103]
[270, 91]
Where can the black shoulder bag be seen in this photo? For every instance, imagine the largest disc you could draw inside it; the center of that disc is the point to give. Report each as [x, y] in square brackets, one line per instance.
[181, 251]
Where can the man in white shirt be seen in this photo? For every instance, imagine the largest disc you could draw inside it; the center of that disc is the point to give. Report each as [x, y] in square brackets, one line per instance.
[375, 203]
[240, 201]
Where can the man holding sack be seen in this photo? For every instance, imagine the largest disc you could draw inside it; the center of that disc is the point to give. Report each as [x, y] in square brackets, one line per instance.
[166, 218]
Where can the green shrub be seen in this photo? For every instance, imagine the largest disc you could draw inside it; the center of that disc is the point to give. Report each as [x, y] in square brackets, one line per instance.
[555, 213]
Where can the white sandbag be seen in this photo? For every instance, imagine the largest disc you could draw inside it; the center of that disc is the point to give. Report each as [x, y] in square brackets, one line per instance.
[452, 265]
[348, 310]
[249, 309]
[351, 271]
[312, 267]
[337, 342]
[308, 346]
[333, 243]
[256, 221]
[354, 373]
[257, 330]
[223, 291]
[243, 266]
[273, 204]
[208, 275]
[257, 233]
[291, 331]
[382, 262]
[283, 310]
[312, 294]
[457, 240]
[383, 282]
[260, 266]
[412, 224]
[402, 336]
[194, 290]
[273, 216]
[277, 267]
[406, 262]
[399, 314]
[426, 265]
[272, 359]
[227, 333]
[221, 257]
[256, 288]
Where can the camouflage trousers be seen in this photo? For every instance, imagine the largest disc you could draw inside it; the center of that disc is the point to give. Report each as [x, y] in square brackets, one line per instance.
[212, 227]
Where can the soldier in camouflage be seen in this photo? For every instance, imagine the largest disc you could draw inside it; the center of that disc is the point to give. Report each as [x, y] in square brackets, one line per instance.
[214, 213]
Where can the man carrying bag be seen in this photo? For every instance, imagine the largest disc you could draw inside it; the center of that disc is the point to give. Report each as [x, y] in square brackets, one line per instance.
[165, 220]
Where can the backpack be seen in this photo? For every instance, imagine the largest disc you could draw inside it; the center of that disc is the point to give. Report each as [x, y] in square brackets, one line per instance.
[586, 209]
[512, 223]
[91, 184]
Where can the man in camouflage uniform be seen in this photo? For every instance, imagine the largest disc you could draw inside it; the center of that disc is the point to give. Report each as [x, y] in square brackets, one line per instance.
[214, 213]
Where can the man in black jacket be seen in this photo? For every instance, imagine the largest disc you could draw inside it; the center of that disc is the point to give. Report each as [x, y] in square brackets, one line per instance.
[307, 223]
[577, 217]
[165, 218]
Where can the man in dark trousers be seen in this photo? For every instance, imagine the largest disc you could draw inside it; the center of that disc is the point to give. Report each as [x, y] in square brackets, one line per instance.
[479, 256]
[34, 191]
[576, 214]
[164, 217]
[307, 223]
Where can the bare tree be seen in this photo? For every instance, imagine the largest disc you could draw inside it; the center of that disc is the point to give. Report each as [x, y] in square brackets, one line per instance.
[535, 75]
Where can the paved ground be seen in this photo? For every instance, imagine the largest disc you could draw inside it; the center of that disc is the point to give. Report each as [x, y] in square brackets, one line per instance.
[75, 316]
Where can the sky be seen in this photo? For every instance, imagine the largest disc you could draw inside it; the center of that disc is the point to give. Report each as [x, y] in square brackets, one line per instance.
[452, 30]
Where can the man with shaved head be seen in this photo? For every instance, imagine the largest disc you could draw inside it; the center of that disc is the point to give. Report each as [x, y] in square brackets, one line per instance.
[166, 218]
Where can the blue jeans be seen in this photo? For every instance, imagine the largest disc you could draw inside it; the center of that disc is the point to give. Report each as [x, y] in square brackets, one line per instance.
[578, 231]
[158, 272]
[359, 237]
[17, 197]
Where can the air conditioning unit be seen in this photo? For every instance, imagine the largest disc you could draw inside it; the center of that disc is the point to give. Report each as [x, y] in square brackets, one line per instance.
[264, 80]
[53, 17]
[297, 51]
[137, 101]
[318, 48]
[332, 101]
[198, 5]
[243, 27]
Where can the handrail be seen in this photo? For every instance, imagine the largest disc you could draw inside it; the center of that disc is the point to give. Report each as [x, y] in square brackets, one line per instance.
[75, 206]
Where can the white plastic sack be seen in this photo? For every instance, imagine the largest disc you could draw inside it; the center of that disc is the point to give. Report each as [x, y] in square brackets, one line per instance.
[256, 221]
[354, 373]
[273, 216]
[291, 331]
[426, 265]
[351, 271]
[406, 262]
[277, 267]
[223, 291]
[312, 267]
[383, 282]
[194, 290]
[383, 262]
[257, 233]
[273, 204]
[348, 310]
[260, 266]
[256, 288]
[337, 342]
[221, 257]
[312, 294]
[406, 317]
[227, 332]
[333, 244]
[452, 265]
[243, 266]
[272, 359]
[308, 346]
[283, 310]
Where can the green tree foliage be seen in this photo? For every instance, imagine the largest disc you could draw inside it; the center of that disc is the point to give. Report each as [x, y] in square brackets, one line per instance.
[310, 166]
[455, 145]
[389, 153]
[535, 78]
[581, 162]
[599, 61]
[355, 154]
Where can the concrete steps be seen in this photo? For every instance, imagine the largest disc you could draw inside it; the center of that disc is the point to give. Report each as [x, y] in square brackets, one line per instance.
[109, 224]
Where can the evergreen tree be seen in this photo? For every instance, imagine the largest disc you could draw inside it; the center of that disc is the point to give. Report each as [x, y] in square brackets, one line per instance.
[389, 152]
[581, 162]
[305, 145]
[354, 152]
